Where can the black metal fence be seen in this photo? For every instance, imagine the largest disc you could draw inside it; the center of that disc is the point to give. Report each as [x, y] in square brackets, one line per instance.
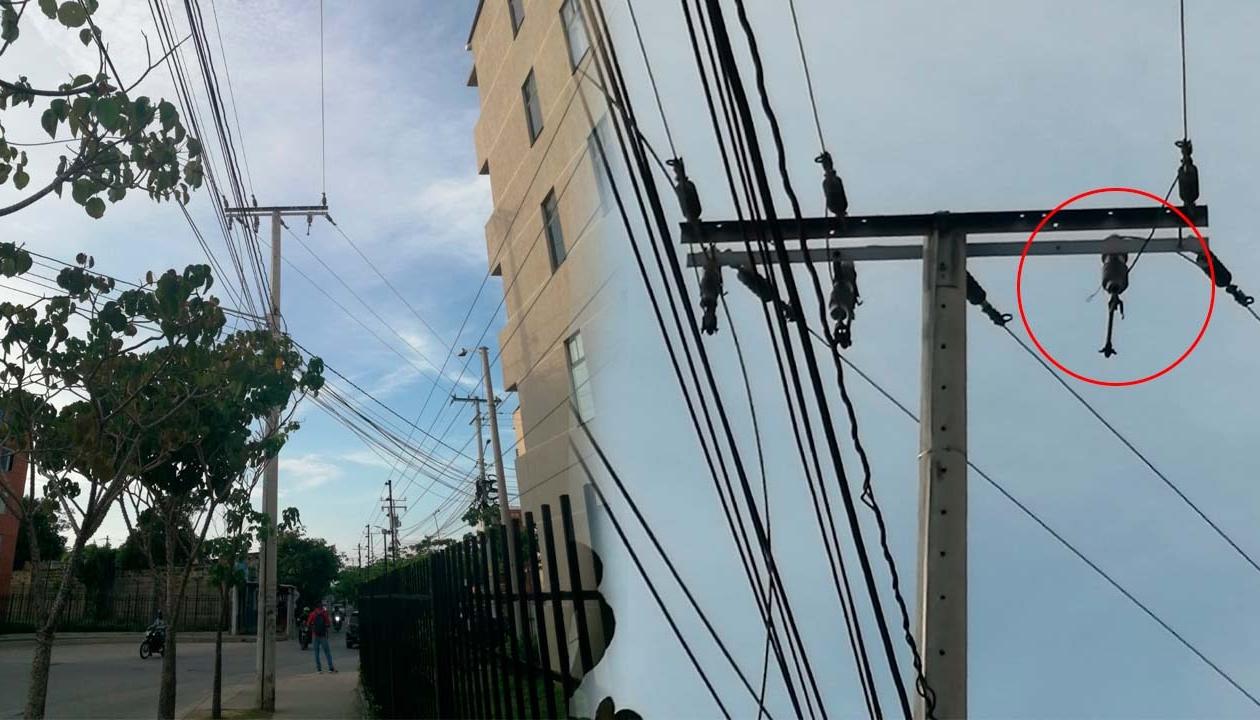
[113, 611]
[446, 636]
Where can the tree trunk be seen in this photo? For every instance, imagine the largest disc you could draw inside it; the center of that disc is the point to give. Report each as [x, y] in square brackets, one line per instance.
[37, 691]
[216, 703]
[166, 694]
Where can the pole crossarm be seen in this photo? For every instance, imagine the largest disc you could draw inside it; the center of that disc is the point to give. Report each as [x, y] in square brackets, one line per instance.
[914, 251]
[921, 224]
[282, 209]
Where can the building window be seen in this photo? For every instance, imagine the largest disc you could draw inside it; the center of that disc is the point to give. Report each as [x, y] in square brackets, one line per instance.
[601, 162]
[6, 460]
[533, 108]
[580, 378]
[574, 31]
[516, 10]
[551, 226]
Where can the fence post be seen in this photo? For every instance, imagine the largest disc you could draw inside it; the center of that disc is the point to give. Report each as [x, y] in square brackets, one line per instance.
[540, 616]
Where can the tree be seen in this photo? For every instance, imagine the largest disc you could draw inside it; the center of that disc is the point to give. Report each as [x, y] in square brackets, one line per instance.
[118, 141]
[146, 540]
[140, 391]
[48, 527]
[309, 564]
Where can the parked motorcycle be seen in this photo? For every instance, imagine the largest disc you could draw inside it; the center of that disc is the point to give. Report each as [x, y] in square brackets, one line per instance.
[154, 642]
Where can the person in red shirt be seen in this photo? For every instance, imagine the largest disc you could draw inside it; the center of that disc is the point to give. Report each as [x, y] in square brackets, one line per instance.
[320, 623]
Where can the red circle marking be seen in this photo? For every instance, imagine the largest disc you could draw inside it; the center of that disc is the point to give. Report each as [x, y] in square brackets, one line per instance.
[1019, 290]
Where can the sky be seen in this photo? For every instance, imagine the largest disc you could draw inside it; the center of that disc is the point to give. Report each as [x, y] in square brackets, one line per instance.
[401, 183]
[961, 106]
[973, 106]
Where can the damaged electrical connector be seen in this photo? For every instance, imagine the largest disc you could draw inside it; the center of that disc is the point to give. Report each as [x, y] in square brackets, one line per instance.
[1115, 280]
[844, 298]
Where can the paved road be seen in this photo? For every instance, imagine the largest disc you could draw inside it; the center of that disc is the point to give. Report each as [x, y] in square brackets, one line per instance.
[109, 680]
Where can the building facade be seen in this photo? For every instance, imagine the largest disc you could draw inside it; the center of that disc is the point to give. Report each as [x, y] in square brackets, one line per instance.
[13, 475]
[539, 137]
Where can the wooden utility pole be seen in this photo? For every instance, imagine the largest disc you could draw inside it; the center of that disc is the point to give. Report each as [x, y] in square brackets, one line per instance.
[266, 651]
[942, 548]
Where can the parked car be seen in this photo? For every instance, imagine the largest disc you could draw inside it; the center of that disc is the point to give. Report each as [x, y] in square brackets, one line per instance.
[352, 630]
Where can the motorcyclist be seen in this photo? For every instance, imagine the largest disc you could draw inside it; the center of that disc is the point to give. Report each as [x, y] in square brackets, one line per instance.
[158, 625]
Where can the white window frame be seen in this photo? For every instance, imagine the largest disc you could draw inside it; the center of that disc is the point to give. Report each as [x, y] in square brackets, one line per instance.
[581, 392]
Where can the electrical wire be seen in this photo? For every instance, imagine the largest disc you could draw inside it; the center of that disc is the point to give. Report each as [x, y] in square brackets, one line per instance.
[1220, 532]
[809, 82]
[634, 21]
[1080, 555]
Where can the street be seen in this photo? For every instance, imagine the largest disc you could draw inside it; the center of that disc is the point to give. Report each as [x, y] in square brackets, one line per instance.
[109, 680]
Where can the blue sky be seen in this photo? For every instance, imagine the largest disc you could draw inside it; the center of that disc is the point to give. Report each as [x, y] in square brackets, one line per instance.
[401, 182]
[968, 106]
[978, 106]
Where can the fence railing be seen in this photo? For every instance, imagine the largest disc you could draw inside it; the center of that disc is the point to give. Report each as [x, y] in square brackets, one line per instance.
[448, 636]
[122, 611]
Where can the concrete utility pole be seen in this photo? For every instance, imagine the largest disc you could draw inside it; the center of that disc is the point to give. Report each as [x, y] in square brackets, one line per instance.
[942, 556]
[391, 511]
[359, 552]
[367, 531]
[481, 443]
[505, 516]
[385, 546]
[267, 586]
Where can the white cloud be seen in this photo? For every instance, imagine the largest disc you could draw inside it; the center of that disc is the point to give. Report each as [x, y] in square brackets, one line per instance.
[301, 473]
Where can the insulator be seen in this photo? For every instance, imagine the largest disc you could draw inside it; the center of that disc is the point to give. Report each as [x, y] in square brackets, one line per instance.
[710, 291]
[1115, 273]
[833, 187]
[757, 284]
[844, 299]
[1224, 278]
[975, 294]
[310, 219]
[688, 196]
[1187, 175]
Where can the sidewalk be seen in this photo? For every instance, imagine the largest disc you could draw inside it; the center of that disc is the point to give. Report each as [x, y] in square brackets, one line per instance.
[109, 637]
[310, 695]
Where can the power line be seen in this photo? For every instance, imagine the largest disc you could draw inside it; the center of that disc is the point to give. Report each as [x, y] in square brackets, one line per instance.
[1032, 515]
[1133, 449]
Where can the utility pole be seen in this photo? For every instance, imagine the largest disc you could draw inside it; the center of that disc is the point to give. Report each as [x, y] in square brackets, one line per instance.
[359, 547]
[481, 445]
[266, 651]
[942, 548]
[391, 512]
[505, 516]
[385, 546]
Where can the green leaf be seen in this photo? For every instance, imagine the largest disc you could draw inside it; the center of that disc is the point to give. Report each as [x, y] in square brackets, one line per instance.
[194, 147]
[71, 14]
[85, 36]
[8, 25]
[20, 179]
[95, 207]
[193, 173]
[168, 115]
[81, 190]
[49, 122]
[117, 193]
[61, 108]
[49, 8]
[108, 113]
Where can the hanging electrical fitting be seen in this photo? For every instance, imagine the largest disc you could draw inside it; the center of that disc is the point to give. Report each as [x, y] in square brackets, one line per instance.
[978, 297]
[833, 187]
[1187, 174]
[844, 297]
[1115, 280]
[762, 288]
[1224, 278]
[711, 277]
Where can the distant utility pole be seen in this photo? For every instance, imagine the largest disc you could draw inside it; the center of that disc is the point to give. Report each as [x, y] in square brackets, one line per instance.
[942, 565]
[359, 546]
[505, 516]
[367, 533]
[266, 651]
[481, 445]
[385, 532]
[391, 508]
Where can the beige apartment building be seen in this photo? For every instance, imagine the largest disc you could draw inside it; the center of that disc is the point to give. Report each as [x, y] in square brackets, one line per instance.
[534, 138]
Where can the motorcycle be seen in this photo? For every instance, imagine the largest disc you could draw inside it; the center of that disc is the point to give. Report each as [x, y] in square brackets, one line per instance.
[154, 642]
[338, 618]
[304, 635]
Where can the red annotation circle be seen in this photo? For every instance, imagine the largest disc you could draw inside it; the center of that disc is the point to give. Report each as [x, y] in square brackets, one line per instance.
[1019, 293]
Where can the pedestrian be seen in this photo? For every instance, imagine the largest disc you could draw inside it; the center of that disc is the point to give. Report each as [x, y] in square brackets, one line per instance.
[319, 622]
